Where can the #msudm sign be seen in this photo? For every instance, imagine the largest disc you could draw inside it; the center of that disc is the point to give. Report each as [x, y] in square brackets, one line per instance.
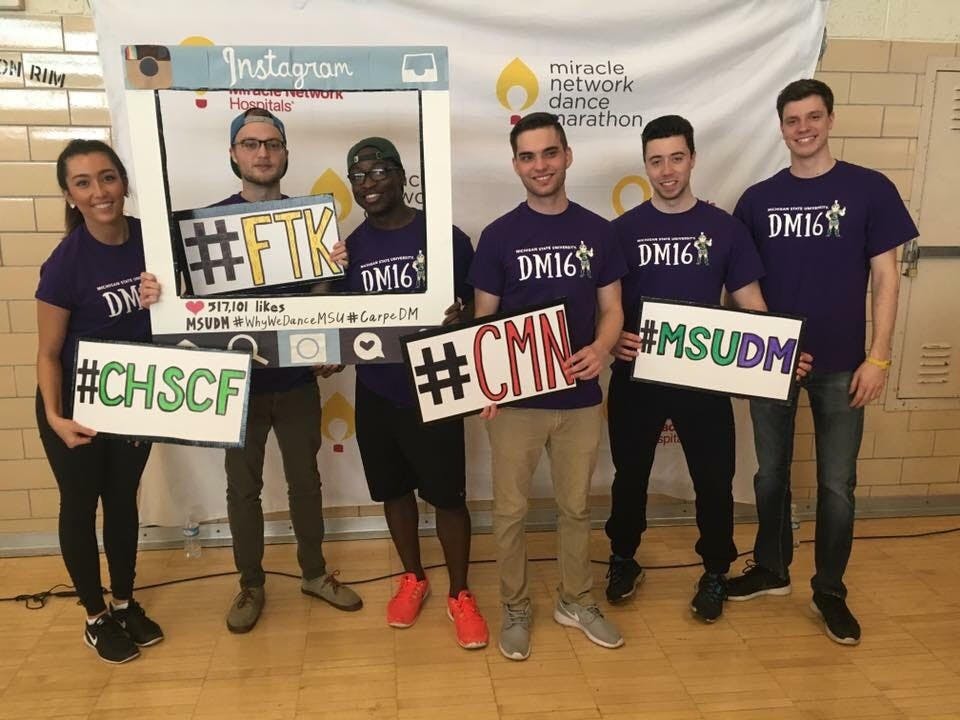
[188, 396]
[497, 359]
[256, 245]
[734, 352]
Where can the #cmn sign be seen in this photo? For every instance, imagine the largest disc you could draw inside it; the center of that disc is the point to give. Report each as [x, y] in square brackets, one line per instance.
[497, 359]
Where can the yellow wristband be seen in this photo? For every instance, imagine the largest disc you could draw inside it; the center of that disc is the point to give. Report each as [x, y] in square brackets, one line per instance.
[882, 364]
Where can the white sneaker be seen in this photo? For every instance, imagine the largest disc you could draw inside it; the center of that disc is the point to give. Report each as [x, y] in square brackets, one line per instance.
[590, 620]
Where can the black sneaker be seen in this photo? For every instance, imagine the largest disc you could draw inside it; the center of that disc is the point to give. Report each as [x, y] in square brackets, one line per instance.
[707, 604]
[838, 622]
[624, 576]
[112, 644]
[141, 629]
[756, 581]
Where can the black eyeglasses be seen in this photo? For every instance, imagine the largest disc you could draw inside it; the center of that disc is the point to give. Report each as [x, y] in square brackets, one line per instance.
[376, 174]
[252, 145]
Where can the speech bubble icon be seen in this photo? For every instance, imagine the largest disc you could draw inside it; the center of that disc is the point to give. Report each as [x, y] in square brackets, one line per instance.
[367, 346]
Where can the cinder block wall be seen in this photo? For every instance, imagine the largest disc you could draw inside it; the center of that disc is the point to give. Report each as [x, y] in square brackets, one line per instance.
[38, 116]
[878, 87]
[878, 84]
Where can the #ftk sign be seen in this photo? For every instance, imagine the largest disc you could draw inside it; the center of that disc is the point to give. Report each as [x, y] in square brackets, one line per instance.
[239, 247]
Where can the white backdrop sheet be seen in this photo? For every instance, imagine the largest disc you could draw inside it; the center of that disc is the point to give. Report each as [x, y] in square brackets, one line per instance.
[608, 68]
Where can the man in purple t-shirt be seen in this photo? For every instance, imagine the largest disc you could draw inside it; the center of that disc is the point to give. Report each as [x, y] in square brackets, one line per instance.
[400, 454]
[284, 399]
[544, 249]
[823, 227]
[677, 248]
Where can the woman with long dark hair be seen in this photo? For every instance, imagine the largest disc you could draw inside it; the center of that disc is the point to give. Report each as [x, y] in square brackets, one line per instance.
[89, 289]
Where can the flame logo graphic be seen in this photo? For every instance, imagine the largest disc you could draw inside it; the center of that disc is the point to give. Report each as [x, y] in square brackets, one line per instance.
[517, 74]
[337, 422]
[198, 41]
[331, 183]
[625, 182]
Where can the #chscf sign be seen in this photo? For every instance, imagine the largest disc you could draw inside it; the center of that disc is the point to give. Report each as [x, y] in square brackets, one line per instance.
[181, 395]
[498, 359]
[255, 245]
[733, 352]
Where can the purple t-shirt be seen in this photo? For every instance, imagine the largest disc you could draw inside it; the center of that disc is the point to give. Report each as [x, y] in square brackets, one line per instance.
[100, 285]
[386, 261]
[526, 258]
[816, 237]
[272, 380]
[690, 256]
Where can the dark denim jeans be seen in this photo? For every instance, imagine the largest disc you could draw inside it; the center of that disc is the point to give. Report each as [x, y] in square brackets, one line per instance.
[294, 416]
[838, 430]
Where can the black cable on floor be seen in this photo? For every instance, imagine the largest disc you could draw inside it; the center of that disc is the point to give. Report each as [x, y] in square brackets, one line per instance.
[36, 601]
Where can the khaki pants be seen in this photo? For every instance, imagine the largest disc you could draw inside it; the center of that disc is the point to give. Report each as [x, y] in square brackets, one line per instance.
[517, 438]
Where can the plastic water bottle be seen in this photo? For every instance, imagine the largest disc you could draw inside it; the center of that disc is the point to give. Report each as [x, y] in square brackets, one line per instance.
[191, 538]
[795, 524]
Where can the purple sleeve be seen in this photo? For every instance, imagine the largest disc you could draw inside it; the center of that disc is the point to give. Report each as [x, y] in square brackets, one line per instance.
[745, 264]
[56, 285]
[889, 225]
[486, 270]
[462, 257]
[744, 213]
[614, 266]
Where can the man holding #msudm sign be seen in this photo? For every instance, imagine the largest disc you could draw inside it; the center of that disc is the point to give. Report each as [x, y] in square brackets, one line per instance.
[717, 254]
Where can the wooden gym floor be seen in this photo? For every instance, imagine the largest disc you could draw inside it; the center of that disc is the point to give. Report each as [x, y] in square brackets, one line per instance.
[764, 659]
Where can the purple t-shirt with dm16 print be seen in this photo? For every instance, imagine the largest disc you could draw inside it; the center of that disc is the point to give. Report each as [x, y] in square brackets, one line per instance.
[689, 256]
[100, 285]
[394, 261]
[526, 258]
[816, 237]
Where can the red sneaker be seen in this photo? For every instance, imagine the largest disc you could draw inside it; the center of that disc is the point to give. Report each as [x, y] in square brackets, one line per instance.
[404, 606]
[471, 628]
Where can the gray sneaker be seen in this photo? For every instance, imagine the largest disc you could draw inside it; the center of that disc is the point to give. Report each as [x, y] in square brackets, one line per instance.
[515, 631]
[246, 609]
[328, 588]
[589, 619]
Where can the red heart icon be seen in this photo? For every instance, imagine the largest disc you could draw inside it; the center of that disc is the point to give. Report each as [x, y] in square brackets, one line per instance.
[195, 306]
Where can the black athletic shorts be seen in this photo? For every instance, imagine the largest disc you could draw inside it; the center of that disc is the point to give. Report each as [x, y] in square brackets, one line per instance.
[400, 454]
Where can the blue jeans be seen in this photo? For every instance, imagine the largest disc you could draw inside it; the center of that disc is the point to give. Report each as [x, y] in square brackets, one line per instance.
[838, 430]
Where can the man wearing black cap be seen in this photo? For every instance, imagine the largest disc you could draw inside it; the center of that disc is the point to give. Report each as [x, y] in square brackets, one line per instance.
[401, 455]
[285, 399]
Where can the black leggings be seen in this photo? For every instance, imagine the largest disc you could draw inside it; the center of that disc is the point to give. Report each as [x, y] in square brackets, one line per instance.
[107, 469]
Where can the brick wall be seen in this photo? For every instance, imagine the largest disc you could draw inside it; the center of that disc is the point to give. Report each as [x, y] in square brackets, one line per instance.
[878, 85]
[36, 121]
